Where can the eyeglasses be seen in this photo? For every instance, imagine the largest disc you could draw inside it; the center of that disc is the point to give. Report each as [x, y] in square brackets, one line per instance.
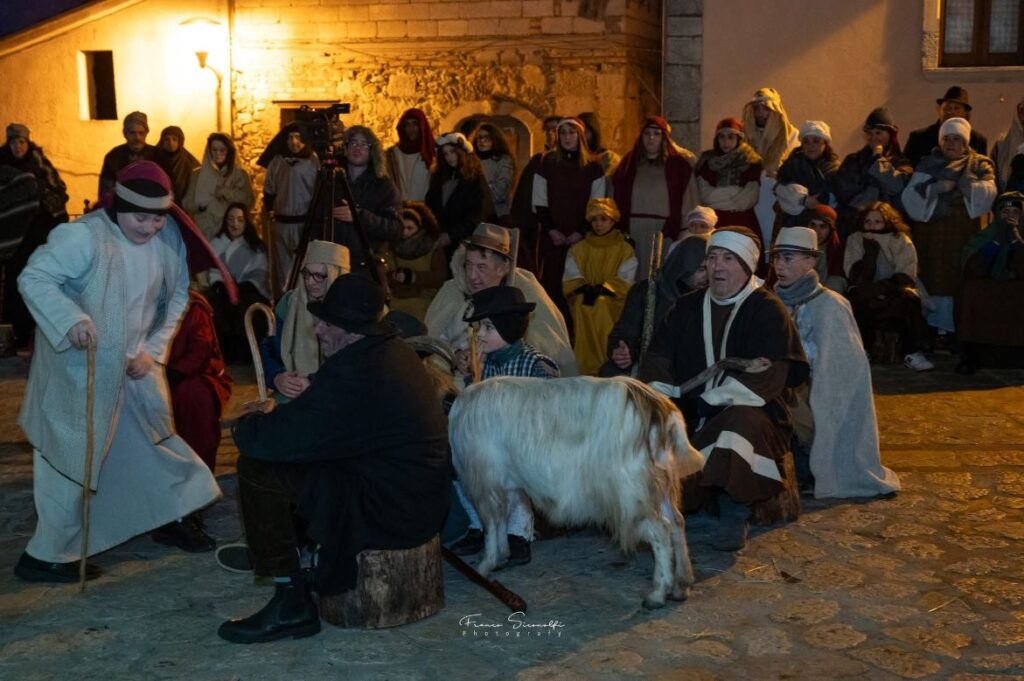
[358, 145]
[315, 276]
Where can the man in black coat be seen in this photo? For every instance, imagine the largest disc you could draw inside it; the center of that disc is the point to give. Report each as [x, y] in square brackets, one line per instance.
[956, 104]
[135, 129]
[361, 456]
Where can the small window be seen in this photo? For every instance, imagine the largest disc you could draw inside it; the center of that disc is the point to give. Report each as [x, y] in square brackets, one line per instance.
[96, 86]
[982, 33]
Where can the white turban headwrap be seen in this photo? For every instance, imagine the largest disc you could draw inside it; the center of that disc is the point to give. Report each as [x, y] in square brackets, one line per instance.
[743, 246]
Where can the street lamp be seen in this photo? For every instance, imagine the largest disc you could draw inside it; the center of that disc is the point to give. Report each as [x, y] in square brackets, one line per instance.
[203, 33]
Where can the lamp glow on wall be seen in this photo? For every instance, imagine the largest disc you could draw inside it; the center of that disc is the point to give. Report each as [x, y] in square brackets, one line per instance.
[202, 35]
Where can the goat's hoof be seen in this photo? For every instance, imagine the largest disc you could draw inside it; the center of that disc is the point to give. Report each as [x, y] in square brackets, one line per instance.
[679, 594]
[651, 604]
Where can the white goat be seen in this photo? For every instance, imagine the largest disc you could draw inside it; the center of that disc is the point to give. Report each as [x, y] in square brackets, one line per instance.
[585, 450]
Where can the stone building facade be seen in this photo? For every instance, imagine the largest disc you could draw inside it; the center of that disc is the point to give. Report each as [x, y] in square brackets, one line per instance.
[513, 60]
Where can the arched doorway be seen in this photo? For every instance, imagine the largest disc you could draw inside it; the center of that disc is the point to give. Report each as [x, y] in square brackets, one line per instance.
[515, 132]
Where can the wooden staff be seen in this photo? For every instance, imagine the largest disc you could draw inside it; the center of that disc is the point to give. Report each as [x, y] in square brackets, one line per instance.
[513, 600]
[254, 348]
[90, 403]
[650, 300]
[476, 371]
[747, 366]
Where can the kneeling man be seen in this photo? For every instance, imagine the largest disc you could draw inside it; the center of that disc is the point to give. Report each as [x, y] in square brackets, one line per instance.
[361, 456]
[740, 422]
[834, 420]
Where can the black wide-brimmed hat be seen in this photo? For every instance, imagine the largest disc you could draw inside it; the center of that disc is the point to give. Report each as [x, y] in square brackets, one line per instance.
[497, 301]
[354, 303]
[957, 95]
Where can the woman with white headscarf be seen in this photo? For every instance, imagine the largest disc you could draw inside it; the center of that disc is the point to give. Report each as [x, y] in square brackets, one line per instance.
[293, 353]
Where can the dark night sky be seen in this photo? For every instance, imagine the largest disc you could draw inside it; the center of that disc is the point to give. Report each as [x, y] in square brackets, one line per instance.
[17, 15]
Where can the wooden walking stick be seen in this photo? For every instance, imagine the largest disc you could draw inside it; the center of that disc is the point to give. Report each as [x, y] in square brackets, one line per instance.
[254, 348]
[650, 300]
[90, 403]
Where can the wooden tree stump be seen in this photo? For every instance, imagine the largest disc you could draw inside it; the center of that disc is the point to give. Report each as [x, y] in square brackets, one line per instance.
[393, 588]
[784, 506]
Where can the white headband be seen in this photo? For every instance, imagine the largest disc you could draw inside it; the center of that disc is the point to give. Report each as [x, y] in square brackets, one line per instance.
[743, 246]
[146, 202]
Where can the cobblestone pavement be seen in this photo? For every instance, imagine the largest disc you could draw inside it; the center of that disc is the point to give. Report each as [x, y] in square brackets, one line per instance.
[928, 584]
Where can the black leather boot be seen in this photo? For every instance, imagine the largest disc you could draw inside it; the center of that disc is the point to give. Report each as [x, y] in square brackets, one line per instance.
[732, 524]
[291, 613]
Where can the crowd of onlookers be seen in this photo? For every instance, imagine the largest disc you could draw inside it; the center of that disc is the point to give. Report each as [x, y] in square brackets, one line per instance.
[906, 232]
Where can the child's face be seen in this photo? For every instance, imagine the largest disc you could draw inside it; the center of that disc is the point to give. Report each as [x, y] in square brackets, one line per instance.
[487, 337]
[409, 228]
[601, 224]
[462, 361]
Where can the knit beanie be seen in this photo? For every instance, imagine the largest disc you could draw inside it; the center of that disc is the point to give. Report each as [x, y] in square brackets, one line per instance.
[17, 130]
[956, 126]
[731, 124]
[702, 213]
[817, 128]
[136, 117]
[142, 187]
[880, 118]
[821, 212]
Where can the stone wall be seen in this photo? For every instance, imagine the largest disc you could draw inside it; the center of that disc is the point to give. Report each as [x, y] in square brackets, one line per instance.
[684, 51]
[523, 58]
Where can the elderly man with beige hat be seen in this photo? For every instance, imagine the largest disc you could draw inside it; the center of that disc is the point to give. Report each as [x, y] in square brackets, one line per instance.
[837, 452]
[488, 258]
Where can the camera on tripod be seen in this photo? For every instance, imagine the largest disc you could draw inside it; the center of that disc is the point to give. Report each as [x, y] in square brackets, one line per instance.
[321, 128]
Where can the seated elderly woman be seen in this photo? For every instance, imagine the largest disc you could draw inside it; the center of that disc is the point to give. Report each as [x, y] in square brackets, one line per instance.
[951, 189]
[989, 316]
[834, 427]
[293, 354]
[881, 265]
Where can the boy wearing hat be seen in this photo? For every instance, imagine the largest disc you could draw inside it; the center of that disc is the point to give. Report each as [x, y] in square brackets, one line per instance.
[834, 416]
[740, 421]
[488, 258]
[956, 103]
[116, 280]
[501, 316]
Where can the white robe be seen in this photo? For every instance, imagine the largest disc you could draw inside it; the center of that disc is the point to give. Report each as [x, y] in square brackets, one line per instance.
[142, 484]
[845, 458]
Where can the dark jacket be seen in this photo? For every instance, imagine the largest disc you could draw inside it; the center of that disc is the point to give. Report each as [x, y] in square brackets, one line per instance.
[379, 209]
[921, 142]
[372, 429]
[116, 159]
[470, 204]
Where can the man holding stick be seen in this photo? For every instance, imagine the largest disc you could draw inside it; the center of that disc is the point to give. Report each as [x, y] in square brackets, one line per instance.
[116, 280]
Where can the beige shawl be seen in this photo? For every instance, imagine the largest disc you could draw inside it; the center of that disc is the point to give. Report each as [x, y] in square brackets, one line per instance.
[300, 349]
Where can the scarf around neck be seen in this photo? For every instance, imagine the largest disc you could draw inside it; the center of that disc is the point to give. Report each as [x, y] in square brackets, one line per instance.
[801, 291]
